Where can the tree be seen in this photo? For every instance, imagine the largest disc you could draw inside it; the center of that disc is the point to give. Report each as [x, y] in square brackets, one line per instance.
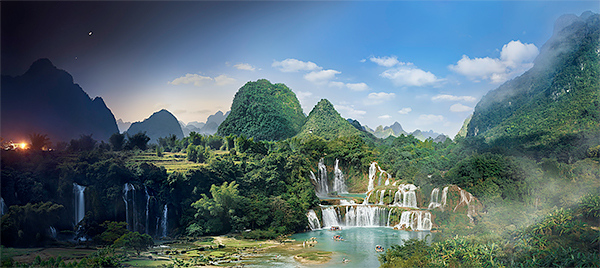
[39, 141]
[84, 143]
[114, 230]
[217, 212]
[135, 241]
[117, 141]
[139, 140]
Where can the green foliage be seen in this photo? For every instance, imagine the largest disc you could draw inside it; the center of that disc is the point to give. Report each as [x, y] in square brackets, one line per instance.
[139, 140]
[134, 241]
[28, 225]
[84, 143]
[159, 151]
[590, 206]
[263, 111]
[413, 253]
[117, 141]
[114, 230]
[325, 122]
[39, 141]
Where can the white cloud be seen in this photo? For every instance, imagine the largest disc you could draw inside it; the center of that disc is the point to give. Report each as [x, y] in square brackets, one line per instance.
[427, 119]
[357, 86]
[385, 116]
[303, 94]
[244, 66]
[410, 76]
[294, 65]
[336, 84]
[322, 76]
[363, 60]
[386, 61]
[222, 80]
[515, 58]
[458, 108]
[381, 96]
[196, 79]
[446, 97]
[405, 111]
[349, 111]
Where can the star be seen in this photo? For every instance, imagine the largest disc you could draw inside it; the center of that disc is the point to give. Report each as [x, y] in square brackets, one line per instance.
[90, 33]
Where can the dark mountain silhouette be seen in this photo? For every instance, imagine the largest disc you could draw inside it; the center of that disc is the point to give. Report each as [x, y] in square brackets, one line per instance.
[45, 100]
[159, 125]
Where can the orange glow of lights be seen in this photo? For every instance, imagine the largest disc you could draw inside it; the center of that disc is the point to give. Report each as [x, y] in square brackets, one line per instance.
[23, 145]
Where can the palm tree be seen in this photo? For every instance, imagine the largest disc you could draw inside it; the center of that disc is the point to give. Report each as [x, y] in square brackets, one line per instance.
[39, 141]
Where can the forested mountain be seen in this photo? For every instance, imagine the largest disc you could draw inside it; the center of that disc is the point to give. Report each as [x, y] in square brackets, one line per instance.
[45, 100]
[264, 111]
[554, 108]
[325, 122]
[159, 125]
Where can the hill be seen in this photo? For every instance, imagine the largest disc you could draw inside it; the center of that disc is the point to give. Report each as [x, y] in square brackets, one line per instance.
[324, 121]
[158, 125]
[553, 109]
[45, 100]
[209, 128]
[263, 111]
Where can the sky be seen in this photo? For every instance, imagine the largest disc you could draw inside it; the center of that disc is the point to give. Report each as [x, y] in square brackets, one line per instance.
[424, 64]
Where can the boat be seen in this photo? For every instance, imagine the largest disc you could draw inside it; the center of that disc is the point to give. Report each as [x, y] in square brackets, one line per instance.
[335, 228]
[379, 248]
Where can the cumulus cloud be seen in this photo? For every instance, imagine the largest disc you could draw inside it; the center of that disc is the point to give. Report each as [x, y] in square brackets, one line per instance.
[349, 111]
[244, 66]
[386, 61]
[427, 119]
[196, 79]
[222, 80]
[458, 108]
[405, 111]
[376, 98]
[357, 86]
[446, 97]
[515, 58]
[410, 76]
[294, 65]
[385, 116]
[322, 76]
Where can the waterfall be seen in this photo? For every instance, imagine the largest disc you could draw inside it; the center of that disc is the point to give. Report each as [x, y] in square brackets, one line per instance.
[52, 232]
[372, 171]
[435, 200]
[466, 198]
[79, 202]
[415, 220]
[381, 197]
[130, 208]
[3, 207]
[330, 217]
[406, 196]
[147, 209]
[313, 220]
[164, 221]
[322, 189]
[365, 216]
[366, 201]
[339, 183]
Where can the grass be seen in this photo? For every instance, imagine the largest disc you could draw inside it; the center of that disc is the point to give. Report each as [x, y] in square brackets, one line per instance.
[315, 255]
[172, 162]
[27, 255]
[146, 263]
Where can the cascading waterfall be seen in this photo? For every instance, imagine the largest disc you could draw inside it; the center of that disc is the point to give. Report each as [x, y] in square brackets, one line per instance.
[323, 188]
[164, 220]
[313, 220]
[130, 209]
[406, 196]
[52, 232]
[147, 208]
[435, 200]
[366, 201]
[415, 220]
[3, 207]
[381, 195]
[78, 202]
[339, 183]
[330, 217]
[466, 198]
[365, 216]
[372, 171]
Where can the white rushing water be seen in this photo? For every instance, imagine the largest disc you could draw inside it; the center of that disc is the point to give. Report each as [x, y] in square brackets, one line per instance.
[355, 215]
[436, 201]
[130, 207]
[322, 184]
[164, 220]
[3, 207]
[406, 196]
[339, 182]
[313, 220]
[466, 198]
[78, 202]
[147, 208]
[415, 220]
[372, 172]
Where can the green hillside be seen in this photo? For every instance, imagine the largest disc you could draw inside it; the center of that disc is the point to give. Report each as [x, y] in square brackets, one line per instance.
[325, 122]
[554, 108]
[264, 111]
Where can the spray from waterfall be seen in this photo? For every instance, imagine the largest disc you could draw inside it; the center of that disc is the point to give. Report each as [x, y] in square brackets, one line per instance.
[165, 220]
[339, 182]
[313, 220]
[130, 207]
[322, 184]
[3, 207]
[78, 202]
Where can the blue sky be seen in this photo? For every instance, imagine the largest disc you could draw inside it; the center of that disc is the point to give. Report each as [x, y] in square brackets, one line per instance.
[424, 64]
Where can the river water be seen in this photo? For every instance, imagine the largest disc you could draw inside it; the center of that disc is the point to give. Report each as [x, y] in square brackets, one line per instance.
[358, 246]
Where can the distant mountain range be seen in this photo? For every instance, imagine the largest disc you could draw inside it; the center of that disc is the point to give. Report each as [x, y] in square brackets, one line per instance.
[159, 125]
[45, 100]
[209, 128]
[396, 130]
